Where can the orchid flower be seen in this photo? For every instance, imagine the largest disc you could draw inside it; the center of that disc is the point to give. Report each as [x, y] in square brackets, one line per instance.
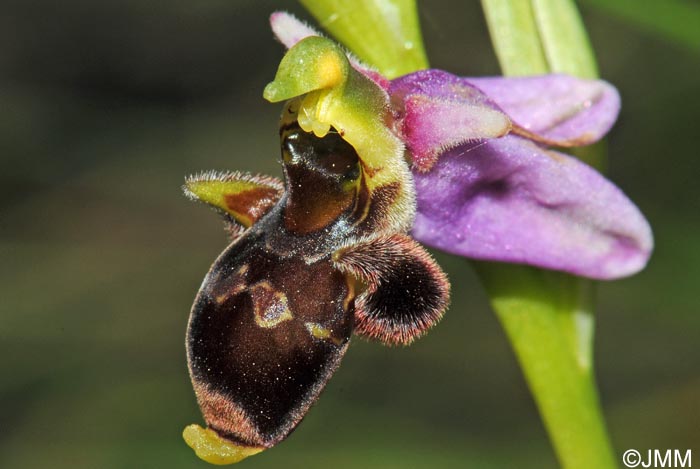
[463, 163]
[487, 184]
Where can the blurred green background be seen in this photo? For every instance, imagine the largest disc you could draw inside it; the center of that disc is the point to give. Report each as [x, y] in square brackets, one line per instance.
[107, 105]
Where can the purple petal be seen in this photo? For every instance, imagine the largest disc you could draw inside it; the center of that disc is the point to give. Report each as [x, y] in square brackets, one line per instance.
[437, 111]
[510, 200]
[554, 109]
[558, 109]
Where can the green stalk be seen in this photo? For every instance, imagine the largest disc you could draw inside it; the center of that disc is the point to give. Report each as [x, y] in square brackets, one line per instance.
[548, 316]
[514, 36]
[532, 37]
[563, 38]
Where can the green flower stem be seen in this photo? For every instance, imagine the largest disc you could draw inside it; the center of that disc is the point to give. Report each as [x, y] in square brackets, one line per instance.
[564, 39]
[514, 36]
[539, 36]
[548, 316]
[568, 50]
[382, 33]
[549, 321]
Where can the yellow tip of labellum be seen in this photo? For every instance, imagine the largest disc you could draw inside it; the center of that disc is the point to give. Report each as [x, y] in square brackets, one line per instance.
[210, 447]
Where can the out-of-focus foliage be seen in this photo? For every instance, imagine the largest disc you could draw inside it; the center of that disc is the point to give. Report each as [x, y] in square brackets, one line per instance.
[677, 20]
[107, 105]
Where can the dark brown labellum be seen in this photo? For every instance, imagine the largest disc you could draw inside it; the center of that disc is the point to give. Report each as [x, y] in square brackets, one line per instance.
[308, 265]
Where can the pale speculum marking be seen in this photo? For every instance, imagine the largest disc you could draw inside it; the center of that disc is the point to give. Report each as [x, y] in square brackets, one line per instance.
[271, 307]
[317, 331]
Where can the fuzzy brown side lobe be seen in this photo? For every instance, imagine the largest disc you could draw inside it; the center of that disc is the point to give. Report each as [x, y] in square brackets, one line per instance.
[253, 203]
[407, 292]
[232, 228]
[224, 191]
